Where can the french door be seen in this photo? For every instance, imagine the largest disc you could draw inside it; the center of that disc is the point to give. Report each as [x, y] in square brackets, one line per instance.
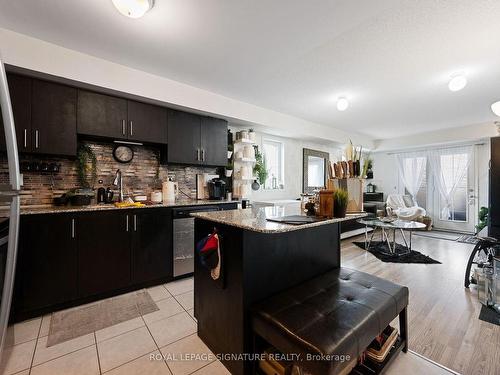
[458, 213]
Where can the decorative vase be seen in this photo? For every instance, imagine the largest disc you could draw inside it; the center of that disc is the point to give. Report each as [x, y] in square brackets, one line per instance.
[255, 185]
[251, 135]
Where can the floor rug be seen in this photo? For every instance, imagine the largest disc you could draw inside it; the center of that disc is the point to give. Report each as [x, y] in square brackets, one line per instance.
[381, 251]
[489, 315]
[69, 324]
[468, 238]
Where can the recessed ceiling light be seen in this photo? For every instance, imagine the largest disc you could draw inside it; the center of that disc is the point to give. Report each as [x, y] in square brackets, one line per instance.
[457, 82]
[495, 107]
[133, 8]
[342, 104]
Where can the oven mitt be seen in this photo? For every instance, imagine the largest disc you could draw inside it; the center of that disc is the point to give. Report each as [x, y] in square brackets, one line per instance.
[208, 249]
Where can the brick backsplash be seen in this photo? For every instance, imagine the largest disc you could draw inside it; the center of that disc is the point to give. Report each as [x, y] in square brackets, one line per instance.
[139, 176]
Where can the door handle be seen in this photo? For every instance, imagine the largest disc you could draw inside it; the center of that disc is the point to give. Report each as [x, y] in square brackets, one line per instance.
[36, 138]
[123, 127]
[25, 138]
[202, 154]
[131, 128]
[198, 154]
[126, 223]
[135, 223]
[72, 228]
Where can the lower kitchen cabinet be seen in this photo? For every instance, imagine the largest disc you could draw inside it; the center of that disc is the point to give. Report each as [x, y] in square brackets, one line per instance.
[104, 259]
[151, 245]
[46, 271]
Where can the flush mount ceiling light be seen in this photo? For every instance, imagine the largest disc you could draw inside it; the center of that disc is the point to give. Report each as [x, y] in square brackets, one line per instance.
[342, 104]
[133, 8]
[457, 82]
[495, 107]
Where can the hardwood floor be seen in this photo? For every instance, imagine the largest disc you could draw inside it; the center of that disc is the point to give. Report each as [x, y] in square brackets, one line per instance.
[443, 315]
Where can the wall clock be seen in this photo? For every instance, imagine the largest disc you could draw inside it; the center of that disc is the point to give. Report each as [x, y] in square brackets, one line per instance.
[123, 154]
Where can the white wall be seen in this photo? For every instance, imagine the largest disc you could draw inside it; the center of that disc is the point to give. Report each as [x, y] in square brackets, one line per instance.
[31, 53]
[293, 149]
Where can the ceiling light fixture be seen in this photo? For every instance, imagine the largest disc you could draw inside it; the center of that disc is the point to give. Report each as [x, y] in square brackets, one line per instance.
[457, 82]
[133, 8]
[342, 104]
[495, 107]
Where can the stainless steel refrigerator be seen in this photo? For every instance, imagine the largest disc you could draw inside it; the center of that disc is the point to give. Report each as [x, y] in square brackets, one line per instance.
[9, 210]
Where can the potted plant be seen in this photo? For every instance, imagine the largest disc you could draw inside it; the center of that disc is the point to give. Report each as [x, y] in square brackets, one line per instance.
[229, 168]
[251, 135]
[260, 167]
[340, 200]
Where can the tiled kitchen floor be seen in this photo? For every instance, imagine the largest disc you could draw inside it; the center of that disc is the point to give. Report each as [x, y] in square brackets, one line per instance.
[122, 349]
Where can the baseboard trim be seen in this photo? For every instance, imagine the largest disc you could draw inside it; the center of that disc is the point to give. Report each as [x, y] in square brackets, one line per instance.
[434, 362]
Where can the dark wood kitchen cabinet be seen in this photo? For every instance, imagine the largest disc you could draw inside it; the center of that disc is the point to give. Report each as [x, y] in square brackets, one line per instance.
[20, 98]
[196, 140]
[44, 116]
[184, 138]
[102, 115]
[151, 245]
[46, 272]
[53, 118]
[147, 123]
[213, 141]
[107, 116]
[104, 259]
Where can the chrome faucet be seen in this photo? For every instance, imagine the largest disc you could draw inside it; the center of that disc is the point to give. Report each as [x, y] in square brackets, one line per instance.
[119, 182]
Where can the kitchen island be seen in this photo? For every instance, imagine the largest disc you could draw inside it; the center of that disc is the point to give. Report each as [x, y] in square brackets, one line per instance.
[259, 258]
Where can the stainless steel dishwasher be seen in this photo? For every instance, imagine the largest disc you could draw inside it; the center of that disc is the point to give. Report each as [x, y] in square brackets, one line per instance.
[183, 237]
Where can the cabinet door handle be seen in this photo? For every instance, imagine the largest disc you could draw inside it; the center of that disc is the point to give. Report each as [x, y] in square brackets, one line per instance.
[131, 128]
[135, 223]
[36, 138]
[123, 128]
[25, 138]
[202, 154]
[72, 228]
[198, 154]
[126, 224]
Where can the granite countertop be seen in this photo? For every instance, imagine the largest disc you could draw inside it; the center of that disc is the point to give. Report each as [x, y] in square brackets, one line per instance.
[255, 219]
[31, 210]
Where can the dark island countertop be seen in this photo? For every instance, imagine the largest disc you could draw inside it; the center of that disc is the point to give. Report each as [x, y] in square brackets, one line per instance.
[255, 219]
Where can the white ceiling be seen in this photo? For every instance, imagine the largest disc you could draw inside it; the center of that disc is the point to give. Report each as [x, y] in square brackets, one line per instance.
[391, 58]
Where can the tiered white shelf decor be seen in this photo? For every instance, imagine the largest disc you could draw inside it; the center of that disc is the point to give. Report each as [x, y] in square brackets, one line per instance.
[244, 161]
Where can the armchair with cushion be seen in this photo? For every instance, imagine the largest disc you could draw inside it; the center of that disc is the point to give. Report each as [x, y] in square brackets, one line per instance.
[404, 207]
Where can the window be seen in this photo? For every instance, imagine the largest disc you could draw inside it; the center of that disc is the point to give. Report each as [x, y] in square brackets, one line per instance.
[274, 157]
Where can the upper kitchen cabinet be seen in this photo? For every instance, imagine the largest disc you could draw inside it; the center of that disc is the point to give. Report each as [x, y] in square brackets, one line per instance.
[146, 122]
[196, 140]
[20, 97]
[102, 115]
[213, 141]
[184, 138]
[44, 116]
[53, 118]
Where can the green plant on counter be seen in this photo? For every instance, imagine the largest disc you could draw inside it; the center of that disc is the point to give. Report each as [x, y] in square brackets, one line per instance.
[86, 166]
[341, 197]
[260, 168]
[483, 219]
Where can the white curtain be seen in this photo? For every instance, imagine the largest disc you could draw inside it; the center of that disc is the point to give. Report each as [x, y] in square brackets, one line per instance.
[412, 167]
[449, 166]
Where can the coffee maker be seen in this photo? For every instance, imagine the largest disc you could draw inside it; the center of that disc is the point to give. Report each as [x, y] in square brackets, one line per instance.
[216, 189]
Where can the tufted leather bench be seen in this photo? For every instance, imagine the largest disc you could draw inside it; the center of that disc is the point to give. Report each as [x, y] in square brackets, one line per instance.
[337, 313]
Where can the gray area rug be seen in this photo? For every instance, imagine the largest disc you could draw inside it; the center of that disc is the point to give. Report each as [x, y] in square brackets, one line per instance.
[69, 324]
